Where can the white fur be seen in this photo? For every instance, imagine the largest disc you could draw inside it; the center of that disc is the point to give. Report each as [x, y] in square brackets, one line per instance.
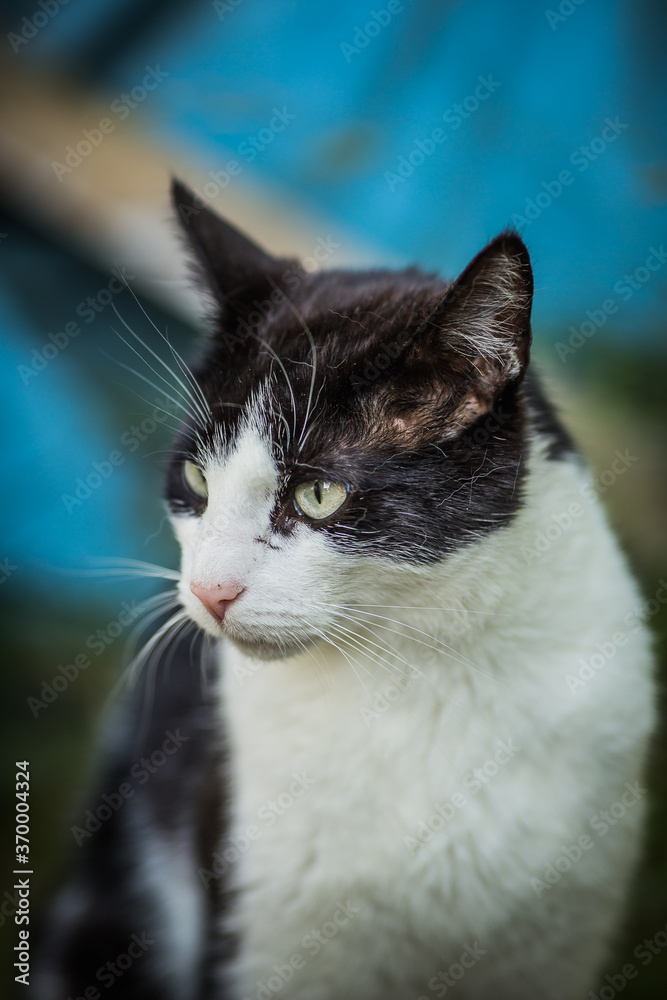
[489, 665]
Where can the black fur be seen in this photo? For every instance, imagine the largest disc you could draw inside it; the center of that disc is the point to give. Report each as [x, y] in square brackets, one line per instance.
[107, 900]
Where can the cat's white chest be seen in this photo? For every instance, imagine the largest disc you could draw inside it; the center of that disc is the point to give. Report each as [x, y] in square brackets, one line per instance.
[387, 829]
[380, 836]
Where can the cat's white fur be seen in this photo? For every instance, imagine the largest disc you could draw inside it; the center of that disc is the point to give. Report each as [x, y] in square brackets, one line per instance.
[381, 735]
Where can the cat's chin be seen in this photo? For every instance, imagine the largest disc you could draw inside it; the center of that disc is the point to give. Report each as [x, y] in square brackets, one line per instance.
[254, 644]
[262, 649]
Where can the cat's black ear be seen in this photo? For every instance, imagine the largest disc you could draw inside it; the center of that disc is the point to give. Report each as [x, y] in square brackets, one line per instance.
[471, 345]
[233, 266]
[486, 312]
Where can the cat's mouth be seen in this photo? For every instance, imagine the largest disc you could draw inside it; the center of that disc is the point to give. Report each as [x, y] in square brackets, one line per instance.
[260, 640]
[264, 649]
[266, 645]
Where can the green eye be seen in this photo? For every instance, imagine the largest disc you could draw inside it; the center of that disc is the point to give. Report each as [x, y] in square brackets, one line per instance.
[194, 477]
[319, 498]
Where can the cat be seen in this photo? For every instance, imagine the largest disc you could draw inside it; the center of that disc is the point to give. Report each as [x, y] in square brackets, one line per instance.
[395, 779]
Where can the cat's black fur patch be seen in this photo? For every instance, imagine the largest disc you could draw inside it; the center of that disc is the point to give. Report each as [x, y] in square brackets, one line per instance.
[418, 401]
[109, 898]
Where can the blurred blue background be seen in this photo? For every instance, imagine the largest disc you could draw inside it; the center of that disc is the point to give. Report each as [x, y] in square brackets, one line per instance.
[361, 95]
[408, 132]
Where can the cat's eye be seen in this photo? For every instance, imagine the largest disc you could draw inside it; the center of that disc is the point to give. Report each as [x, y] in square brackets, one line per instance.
[318, 498]
[195, 479]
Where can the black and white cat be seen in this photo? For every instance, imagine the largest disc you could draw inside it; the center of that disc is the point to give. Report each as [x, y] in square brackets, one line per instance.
[391, 786]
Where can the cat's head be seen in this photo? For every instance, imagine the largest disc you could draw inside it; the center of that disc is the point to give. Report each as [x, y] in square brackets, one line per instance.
[348, 430]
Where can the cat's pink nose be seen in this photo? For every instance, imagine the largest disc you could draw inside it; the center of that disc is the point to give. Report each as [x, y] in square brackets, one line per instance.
[217, 599]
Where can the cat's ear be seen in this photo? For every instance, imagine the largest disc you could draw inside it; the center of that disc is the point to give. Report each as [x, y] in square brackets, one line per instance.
[232, 265]
[471, 345]
[485, 314]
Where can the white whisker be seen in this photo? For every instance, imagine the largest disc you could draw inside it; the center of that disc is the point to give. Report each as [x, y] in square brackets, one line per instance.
[119, 566]
[187, 371]
[191, 407]
[204, 411]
